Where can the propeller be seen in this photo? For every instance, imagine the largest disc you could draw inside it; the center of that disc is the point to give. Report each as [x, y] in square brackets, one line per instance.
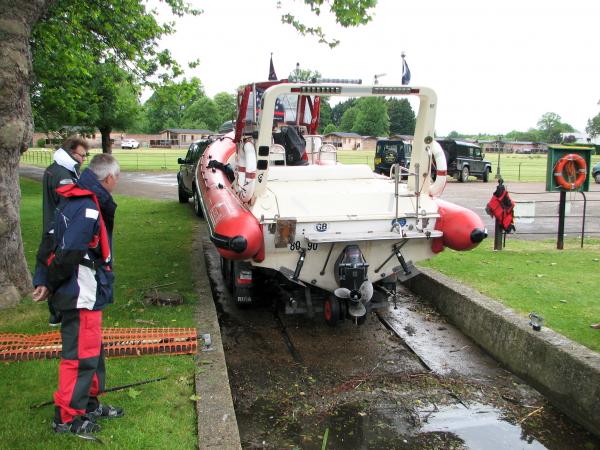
[357, 299]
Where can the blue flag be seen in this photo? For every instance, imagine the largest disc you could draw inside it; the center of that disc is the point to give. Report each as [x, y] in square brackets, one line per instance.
[272, 74]
[405, 72]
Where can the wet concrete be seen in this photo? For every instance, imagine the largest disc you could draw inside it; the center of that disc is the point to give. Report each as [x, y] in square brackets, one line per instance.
[367, 388]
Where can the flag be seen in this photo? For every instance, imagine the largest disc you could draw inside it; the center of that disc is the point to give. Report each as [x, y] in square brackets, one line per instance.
[405, 72]
[272, 74]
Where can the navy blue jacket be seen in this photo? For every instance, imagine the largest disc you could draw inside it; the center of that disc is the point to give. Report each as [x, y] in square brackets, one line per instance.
[77, 273]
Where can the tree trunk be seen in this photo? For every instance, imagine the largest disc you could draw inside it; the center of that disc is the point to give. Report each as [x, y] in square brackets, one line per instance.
[106, 143]
[16, 131]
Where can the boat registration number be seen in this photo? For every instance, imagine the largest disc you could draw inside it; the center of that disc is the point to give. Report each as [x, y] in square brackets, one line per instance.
[296, 246]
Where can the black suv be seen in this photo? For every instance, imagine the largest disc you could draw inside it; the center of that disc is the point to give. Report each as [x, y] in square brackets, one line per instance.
[465, 159]
[390, 152]
[185, 176]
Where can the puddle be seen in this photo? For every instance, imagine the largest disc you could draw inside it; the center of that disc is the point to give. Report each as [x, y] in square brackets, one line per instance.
[478, 427]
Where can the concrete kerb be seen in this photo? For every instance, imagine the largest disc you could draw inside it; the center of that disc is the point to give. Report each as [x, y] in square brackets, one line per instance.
[567, 373]
[217, 423]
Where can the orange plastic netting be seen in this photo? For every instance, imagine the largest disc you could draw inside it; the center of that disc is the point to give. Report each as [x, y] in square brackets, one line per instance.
[116, 341]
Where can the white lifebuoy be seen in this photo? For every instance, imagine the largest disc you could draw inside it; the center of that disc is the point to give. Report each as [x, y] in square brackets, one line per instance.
[246, 172]
[437, 187]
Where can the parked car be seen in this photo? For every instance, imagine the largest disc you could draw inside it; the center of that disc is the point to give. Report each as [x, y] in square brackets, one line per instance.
[465, 159]
[389, 152]
[185, 176]
[130, 143]
[596, 173]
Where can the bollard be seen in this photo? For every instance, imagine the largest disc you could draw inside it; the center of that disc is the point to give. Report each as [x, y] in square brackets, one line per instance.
[497, 235]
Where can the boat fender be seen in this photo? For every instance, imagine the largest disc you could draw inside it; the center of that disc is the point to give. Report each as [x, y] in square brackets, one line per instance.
[437, 187]
[246, 172]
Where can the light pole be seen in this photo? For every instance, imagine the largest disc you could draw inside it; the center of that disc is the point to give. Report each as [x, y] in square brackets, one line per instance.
[499, 148]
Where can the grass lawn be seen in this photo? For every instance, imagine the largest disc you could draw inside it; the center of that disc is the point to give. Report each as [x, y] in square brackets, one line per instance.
[530, 276]
[152, 247]
[514, 167]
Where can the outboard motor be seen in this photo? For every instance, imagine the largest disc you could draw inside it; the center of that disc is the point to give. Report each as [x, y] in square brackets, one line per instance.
[351, 274]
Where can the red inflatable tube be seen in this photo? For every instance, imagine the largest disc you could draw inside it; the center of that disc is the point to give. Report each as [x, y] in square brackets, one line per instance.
[233, 228]
[462, 228]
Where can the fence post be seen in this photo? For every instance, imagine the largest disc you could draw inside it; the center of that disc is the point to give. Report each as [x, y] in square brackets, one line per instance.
[497, 235]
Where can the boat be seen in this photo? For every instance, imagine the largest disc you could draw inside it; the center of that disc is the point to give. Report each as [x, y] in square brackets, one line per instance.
[279, 205]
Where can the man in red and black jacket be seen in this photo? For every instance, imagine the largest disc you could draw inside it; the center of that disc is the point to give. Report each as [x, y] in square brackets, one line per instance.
[77, 279]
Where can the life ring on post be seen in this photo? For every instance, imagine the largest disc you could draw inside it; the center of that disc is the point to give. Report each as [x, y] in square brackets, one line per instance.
[246, 172]
[569, 162]
[437, 187]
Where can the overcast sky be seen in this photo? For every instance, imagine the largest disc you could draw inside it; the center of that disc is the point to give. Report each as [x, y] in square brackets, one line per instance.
[495, 65]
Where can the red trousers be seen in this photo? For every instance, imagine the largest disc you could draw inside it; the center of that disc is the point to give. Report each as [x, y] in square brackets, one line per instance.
[81, 372]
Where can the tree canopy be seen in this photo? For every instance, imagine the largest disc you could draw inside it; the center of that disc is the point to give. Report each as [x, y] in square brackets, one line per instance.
[402, 117]
[593, 126]
[372, 117]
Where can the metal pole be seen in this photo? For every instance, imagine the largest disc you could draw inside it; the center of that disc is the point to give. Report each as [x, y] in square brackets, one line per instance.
[498, 176]
[583, 218]
[561, 220]
[519, 171]
[497, 235]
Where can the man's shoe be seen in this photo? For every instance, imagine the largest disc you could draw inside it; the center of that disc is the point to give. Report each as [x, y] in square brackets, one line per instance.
[105, 412]
[77, 426]
[55, 319]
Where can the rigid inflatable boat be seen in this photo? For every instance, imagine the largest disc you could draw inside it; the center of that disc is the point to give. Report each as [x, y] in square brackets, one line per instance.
[278, 204]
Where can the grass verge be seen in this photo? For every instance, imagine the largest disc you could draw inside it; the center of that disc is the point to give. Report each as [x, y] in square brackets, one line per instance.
[152, 247]
[531, 276]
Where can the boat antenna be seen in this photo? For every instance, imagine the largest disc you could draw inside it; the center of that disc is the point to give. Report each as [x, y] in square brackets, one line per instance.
[376, 77]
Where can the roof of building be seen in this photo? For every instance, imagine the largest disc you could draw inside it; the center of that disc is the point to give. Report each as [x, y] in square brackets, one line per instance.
[343, 134]
[187, 130]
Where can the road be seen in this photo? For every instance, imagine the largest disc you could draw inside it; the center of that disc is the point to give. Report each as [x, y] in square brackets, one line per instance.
[406, 379]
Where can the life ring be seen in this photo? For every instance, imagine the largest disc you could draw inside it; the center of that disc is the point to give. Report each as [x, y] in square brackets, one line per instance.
[246, 172]
[437, 187]
[581, 171]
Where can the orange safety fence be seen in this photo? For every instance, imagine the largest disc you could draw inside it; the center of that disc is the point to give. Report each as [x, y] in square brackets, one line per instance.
[116, 341]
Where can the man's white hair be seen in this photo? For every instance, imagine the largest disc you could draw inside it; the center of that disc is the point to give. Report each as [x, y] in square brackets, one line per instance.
[104, 165]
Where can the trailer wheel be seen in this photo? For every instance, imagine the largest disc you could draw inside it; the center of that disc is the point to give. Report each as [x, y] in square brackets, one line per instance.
[332, 310]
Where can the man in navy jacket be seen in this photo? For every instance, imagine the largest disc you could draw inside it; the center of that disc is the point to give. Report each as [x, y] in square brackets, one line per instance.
[77, 278]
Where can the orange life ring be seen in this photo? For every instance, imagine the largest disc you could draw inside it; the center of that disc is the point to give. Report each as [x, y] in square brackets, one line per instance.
[581, 171]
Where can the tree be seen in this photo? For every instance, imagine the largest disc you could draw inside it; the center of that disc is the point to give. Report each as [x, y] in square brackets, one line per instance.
[113, 102]
[372, 117]
[324, 114]
[330, 128]
[337, 112]
[304, 75]
[402, 117]
[71, 34]
[226, 106]
[202, 114]
[452, 135]
[551, 126]
[87, 31]
[531, 135]
[593, 126]
[348, 119]
[166, 106]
